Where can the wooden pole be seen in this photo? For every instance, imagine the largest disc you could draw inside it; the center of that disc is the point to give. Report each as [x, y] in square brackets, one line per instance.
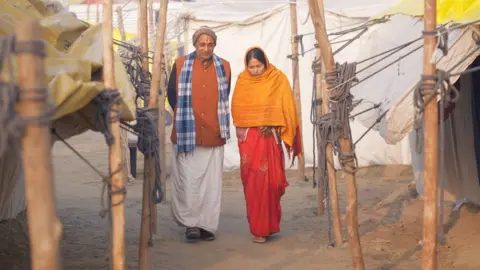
[430, 173]
[44, 228]
[321, 91]
[318, 18]
[121, 26]
[151, 19]
[153, 97]
[115, 150]
[123, 132]
[148, 222]
[158, 82]
[296, 84]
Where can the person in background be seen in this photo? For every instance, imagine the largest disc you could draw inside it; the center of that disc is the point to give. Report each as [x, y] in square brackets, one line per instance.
[198, 92]
[264, 114]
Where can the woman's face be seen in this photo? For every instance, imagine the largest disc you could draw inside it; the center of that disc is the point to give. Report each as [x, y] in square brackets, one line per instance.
[255, 67]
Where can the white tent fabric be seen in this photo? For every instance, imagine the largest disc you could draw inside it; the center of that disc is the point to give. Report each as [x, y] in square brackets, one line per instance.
[271, 31]
[350, 8]
[393, 86]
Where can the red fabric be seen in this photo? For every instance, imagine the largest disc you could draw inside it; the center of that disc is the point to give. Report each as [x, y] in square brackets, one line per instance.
[296, 148]
[264, 181]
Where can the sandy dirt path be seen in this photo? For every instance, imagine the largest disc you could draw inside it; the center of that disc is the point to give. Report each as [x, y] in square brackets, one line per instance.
[390, 233]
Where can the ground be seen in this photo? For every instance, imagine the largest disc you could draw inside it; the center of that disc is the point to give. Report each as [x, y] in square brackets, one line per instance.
[390, 225]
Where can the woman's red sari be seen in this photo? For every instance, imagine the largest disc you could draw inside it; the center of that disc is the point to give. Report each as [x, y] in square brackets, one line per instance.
[264, 181]
[264, 101]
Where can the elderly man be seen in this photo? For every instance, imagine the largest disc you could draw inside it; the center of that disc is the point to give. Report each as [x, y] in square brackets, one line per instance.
[198, 92]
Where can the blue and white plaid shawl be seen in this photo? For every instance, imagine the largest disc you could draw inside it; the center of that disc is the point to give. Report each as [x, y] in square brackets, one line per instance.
[185, 120]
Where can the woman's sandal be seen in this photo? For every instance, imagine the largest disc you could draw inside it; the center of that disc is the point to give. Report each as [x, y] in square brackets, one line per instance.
[259, 239]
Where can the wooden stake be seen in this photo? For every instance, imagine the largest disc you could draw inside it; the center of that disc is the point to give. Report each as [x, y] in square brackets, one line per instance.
[44, 228]
[318, 18]
[148, 222]
[158, 77]
[321, 91]
[158, 82]
[121, 26]
[430, 173]
[149, 167]
[151, 19]
[115, 150]
[296, 83]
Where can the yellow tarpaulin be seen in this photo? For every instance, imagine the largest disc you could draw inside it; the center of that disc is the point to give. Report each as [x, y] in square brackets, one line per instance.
[74, 56]
[117, 35]
[458, 11]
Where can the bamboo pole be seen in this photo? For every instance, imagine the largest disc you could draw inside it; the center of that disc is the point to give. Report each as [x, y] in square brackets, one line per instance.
[296, 86]
[318, 19]
[151, 19]
[149, 165]
[160, 79]
[147, 226]
[430, 173]
[321, 91]
[123, 132]
[44, 228]
[121, 26]
[115, 150]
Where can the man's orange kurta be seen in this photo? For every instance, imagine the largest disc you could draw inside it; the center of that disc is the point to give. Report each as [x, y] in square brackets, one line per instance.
[204, 101]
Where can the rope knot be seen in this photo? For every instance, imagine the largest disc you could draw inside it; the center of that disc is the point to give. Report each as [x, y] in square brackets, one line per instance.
[104, 102]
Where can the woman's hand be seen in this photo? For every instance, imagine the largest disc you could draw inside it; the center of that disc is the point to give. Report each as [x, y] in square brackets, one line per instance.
[267, 130]
[264, 131]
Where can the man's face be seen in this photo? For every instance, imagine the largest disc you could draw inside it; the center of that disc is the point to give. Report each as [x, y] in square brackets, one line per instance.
[204, 47]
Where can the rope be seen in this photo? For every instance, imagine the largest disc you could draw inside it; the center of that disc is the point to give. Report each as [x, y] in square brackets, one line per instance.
[334, 125]
[106, 179]
[428, 89]
[425, 92]
[8, 98]
[317, 101]
[104, 101]
[11, 123]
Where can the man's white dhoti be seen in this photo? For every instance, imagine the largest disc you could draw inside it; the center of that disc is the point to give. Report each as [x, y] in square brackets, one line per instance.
[197, 187]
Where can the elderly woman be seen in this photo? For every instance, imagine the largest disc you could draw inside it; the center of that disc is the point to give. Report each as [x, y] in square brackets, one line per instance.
[264, 114]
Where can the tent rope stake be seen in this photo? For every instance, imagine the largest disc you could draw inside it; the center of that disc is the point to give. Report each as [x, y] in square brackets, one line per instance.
[117, 212]
[430, 174]
[336, 95]
[44, 228]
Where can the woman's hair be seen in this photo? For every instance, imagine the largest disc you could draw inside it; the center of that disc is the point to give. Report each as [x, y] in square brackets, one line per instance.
[258, 54]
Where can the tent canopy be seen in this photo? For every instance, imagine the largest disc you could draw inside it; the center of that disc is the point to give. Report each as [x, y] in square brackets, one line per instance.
[457, 11]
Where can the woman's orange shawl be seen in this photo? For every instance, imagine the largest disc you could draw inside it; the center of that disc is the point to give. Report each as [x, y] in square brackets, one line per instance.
[267, 100]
